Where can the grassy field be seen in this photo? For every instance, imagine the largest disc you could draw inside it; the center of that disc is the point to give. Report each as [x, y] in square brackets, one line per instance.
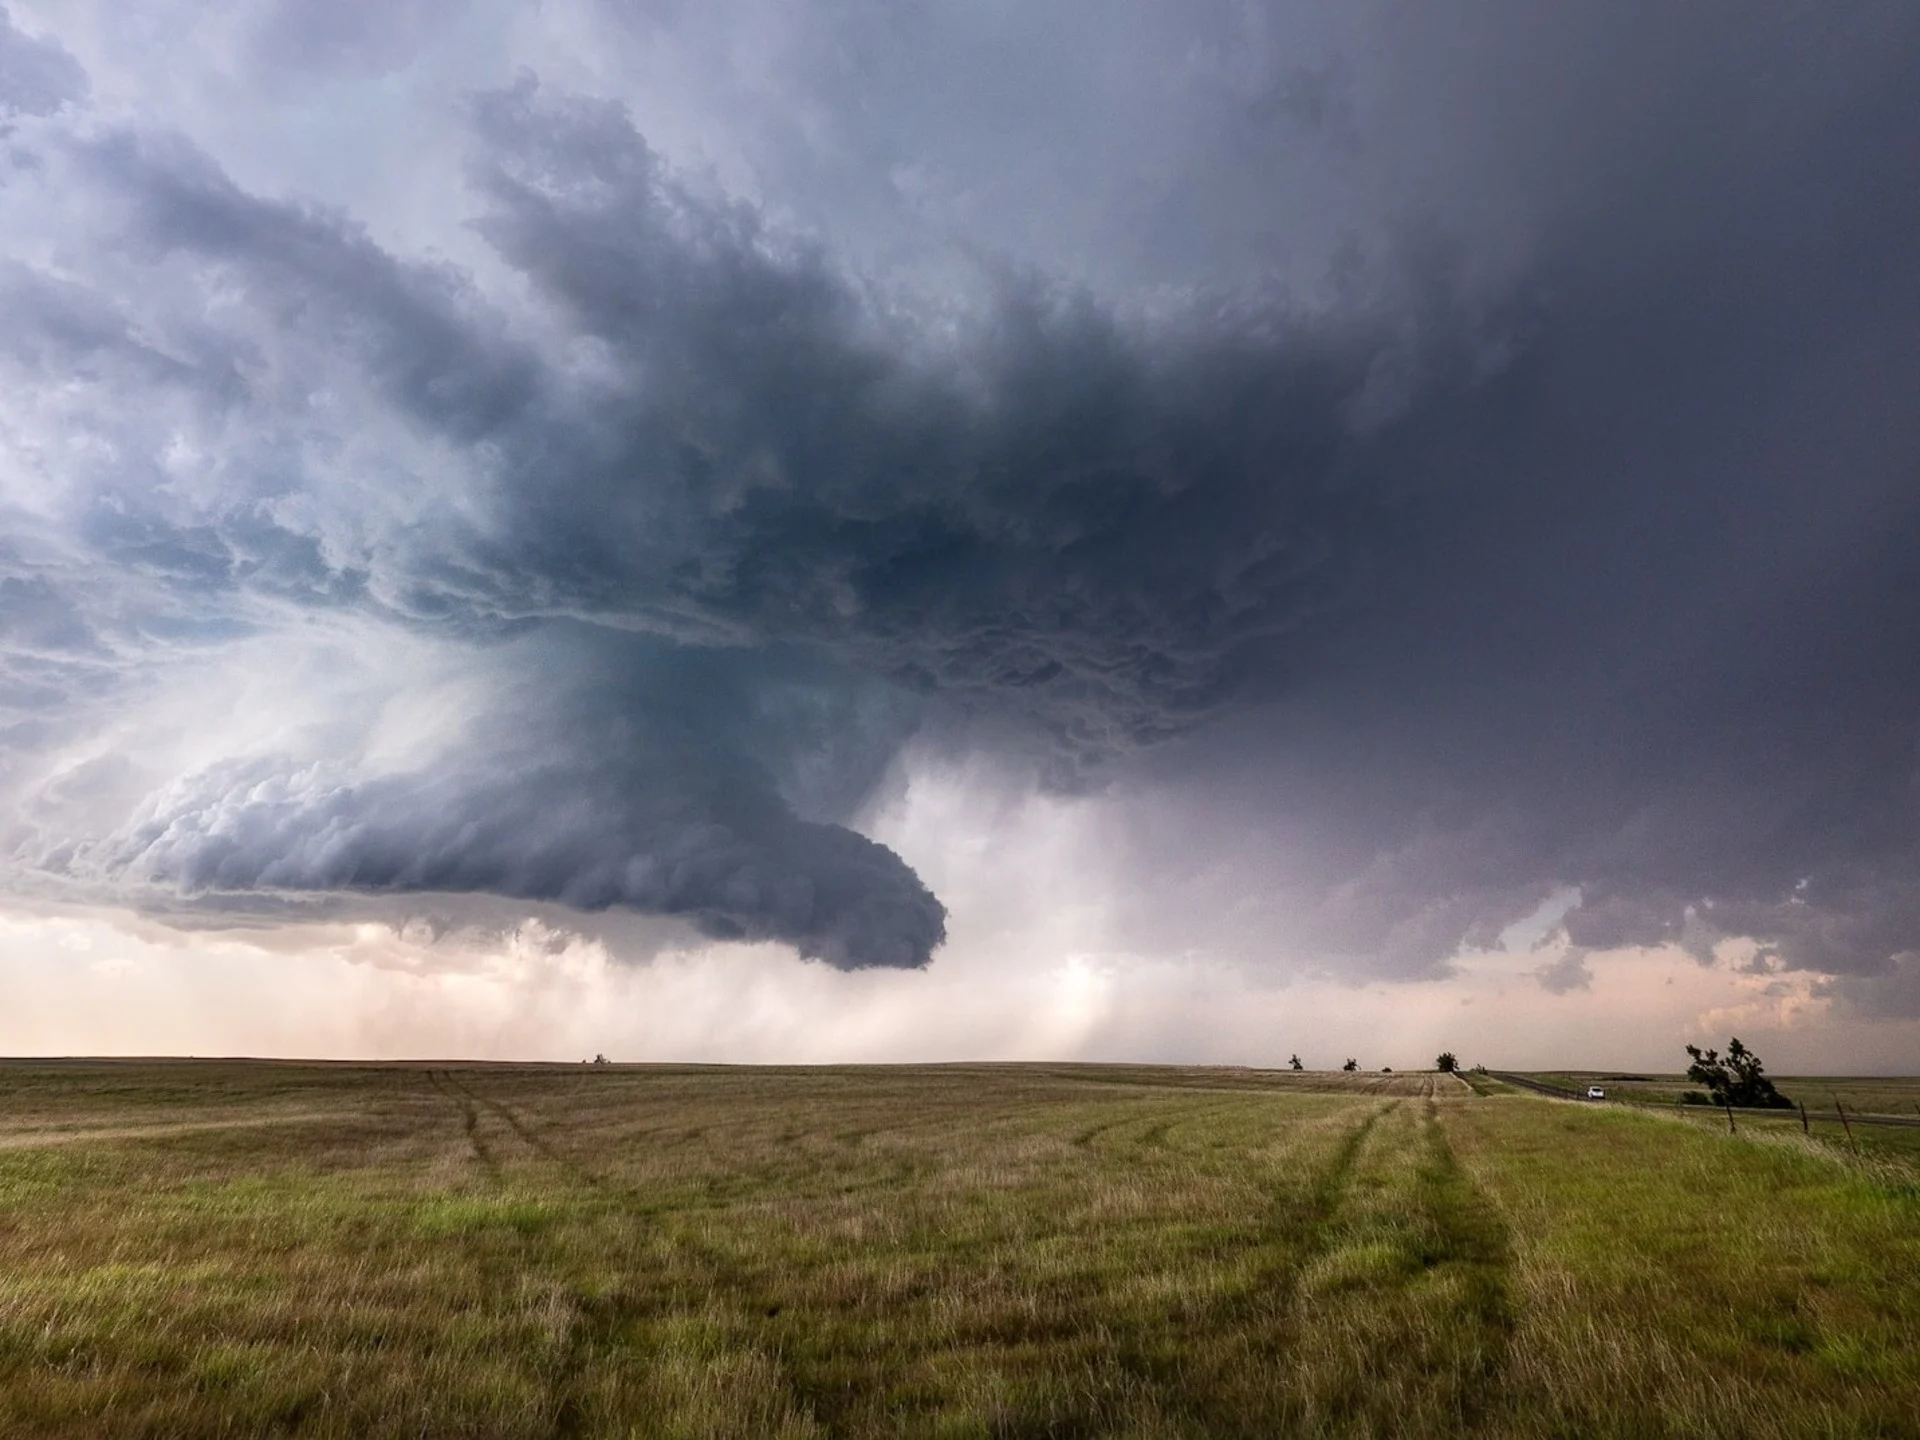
[252, 1249]
[1874, 1095]
[1868, 1101]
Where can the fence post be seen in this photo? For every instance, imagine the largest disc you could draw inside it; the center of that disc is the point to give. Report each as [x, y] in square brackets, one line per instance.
[1846, 1122]
[1805, 1129]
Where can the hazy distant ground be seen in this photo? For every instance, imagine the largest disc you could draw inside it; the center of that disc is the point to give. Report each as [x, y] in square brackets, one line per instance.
[199, 1248]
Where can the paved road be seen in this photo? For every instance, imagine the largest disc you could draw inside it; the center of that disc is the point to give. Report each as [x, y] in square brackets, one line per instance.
[1556, 1092]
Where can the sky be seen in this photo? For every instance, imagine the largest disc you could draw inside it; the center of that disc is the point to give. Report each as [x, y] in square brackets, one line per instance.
[1202, 530]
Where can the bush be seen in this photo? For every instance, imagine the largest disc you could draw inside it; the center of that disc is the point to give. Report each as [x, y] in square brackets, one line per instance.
[1446, 1064]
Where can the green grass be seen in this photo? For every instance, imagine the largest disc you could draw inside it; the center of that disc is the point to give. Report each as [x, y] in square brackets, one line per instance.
[241, 1249]
[1872, 1095]
[1865, 1100]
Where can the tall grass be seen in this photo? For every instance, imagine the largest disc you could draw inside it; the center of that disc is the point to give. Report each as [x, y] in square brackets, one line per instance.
[996, 1250]
[1670, 1279]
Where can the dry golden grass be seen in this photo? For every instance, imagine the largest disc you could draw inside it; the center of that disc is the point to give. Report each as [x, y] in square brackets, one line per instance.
[235, 1249]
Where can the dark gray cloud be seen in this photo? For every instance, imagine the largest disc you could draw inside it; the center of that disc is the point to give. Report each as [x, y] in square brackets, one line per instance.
[673, 834]
[1558, 534]
[1049, 507]
[1676, 665]
[37, 76]
[1041, 517]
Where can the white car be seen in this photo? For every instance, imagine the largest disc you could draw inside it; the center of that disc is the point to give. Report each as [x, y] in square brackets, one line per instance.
[1594, 1092]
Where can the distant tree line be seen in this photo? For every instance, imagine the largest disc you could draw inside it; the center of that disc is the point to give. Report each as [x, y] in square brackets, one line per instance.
[1448, 1063]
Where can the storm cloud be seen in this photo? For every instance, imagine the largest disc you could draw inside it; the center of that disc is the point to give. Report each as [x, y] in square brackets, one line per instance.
[1413, 466]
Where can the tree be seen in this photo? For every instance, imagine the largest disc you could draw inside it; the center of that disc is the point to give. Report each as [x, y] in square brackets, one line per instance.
[1446, 1064]
[1739, 1079]
[1352, 1064]
[1294, 1064]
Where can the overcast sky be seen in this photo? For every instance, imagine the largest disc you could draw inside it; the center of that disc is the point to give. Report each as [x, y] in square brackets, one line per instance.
[824, 530]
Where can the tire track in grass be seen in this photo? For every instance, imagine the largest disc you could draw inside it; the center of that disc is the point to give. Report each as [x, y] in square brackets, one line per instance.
[615, 1326]
[593, 1320]
[1400, 1320]
[469, 1119]
[1468, 1236]
[1169, 1133]
[1084, 1138]
[1211, 1393]
[532, 1139]
[1322, 1205]
[1323, 1201]
[1146, 1134]
[596, 1320]
[1158, 1120]
[603, 1323]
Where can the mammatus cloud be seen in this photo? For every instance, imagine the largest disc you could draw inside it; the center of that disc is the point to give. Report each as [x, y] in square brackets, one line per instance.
[1550, 526]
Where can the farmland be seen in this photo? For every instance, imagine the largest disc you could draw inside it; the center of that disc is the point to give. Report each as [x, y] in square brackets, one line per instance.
[251, 1248]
